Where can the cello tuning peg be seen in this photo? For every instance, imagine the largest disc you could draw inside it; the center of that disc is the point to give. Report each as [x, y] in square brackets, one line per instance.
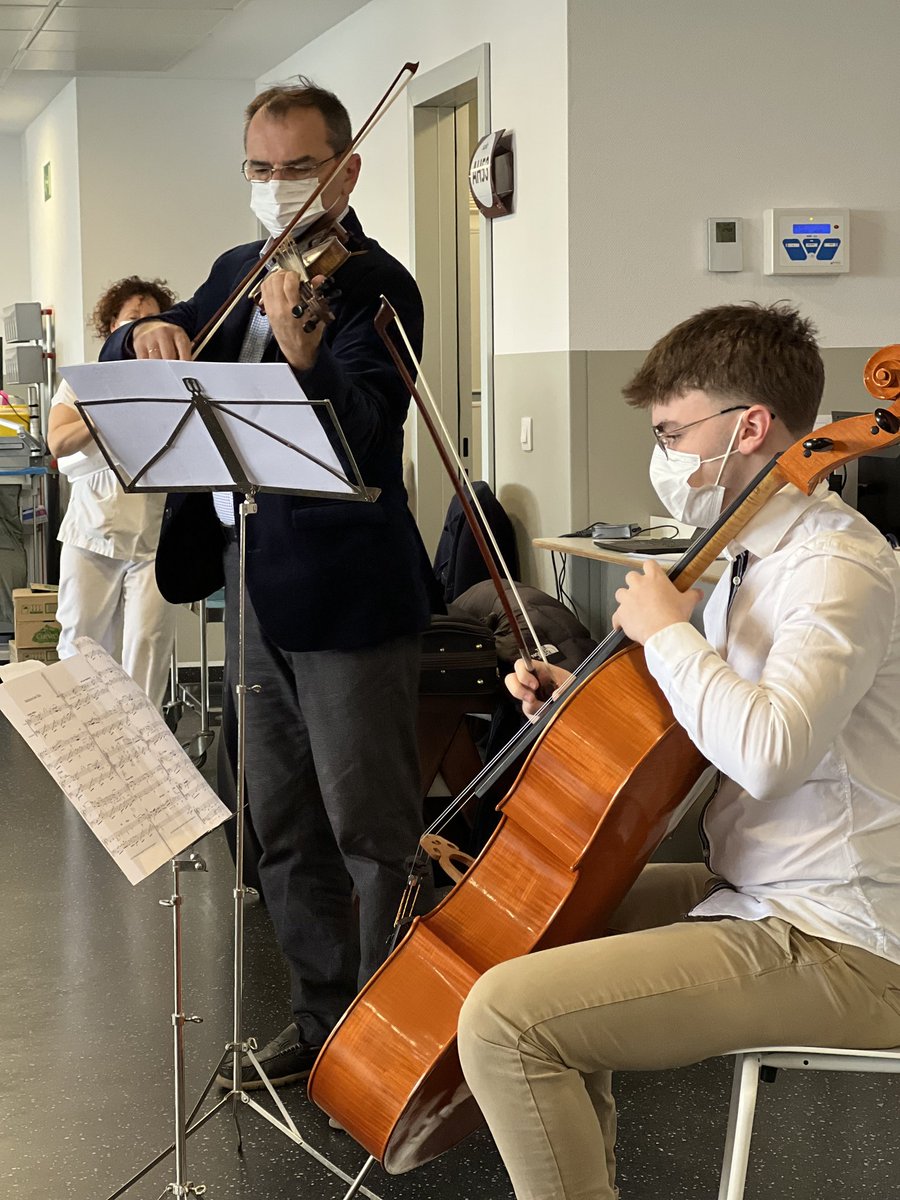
[885, 421]
[816, 445]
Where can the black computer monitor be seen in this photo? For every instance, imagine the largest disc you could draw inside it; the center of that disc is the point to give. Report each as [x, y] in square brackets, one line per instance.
[871, 485]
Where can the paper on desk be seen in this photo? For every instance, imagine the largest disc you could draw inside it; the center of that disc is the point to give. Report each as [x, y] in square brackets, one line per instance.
[144, 402]
[113, 756]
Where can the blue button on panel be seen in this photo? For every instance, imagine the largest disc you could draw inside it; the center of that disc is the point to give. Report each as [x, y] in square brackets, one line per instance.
[828, 249]
[794, 250]
[811, 244]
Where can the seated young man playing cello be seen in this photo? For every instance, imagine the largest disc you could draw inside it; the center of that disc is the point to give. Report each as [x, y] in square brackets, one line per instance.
[790, 933]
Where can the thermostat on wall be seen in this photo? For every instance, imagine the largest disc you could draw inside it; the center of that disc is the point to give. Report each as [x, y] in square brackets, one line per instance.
[725, 243]
[806, 241]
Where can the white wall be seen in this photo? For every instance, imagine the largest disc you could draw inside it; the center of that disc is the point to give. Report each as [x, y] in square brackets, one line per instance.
[358, 58]
[54, 225]
[695, 108]
[15, 272]
[161, 188]
[146, 180]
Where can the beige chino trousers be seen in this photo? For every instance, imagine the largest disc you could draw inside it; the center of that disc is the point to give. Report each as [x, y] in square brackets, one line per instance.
[540, 1036]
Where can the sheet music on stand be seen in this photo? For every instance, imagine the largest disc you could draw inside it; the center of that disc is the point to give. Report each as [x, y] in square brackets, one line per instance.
[195, 426]
[113, 757]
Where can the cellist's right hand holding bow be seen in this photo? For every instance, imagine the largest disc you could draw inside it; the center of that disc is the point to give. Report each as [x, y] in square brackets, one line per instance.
[531, 685]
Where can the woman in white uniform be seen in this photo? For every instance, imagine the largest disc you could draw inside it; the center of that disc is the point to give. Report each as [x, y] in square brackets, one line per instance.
[107, 585]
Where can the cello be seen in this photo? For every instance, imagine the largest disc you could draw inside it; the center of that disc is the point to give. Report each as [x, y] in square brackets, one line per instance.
[608, 764]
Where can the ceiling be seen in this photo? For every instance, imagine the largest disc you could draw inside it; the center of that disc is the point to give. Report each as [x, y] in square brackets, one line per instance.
[45, 43]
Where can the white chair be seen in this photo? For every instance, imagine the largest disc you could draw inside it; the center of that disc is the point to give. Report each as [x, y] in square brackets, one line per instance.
[751, 1065]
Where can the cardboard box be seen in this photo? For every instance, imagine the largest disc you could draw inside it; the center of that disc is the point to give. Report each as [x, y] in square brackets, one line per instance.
[34, 611]
[44, 654]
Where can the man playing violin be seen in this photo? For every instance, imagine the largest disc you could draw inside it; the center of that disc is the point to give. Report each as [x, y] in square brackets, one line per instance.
[789, 934]
[336, 591]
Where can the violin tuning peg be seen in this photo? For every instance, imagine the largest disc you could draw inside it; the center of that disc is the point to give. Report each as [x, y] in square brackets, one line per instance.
[310, 325]
[298, 310]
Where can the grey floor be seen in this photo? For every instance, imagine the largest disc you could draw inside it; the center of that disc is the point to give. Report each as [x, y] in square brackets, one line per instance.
[85, 1037]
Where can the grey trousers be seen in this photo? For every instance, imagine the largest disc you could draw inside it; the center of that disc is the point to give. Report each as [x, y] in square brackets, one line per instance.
[334, 790]
[540, 1036]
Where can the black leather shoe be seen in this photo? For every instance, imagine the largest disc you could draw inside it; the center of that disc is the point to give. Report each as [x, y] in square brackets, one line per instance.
[286, 1059]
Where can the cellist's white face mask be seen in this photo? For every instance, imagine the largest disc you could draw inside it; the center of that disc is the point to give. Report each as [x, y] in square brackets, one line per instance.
[669, 474]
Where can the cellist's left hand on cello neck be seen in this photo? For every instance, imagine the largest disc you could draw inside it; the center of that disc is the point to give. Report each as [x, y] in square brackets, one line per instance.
[649, 602]
[532, 684]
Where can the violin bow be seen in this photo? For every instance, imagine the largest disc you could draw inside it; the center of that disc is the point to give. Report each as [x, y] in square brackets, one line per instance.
[456, 470]
[397, 87]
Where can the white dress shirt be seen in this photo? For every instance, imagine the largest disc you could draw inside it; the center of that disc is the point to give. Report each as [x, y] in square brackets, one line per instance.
[101, 516]
[797, 702]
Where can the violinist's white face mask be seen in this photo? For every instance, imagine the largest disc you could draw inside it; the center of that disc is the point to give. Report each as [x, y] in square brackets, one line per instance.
[669, 474]
[277, 202]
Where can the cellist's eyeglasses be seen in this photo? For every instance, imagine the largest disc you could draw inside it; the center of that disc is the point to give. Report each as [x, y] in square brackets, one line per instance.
[260, 172]
[667, 439]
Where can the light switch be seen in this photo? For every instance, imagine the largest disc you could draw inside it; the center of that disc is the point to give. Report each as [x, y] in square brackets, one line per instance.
[525, 435]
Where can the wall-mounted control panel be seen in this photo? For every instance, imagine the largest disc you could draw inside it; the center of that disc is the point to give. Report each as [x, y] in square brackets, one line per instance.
[806, 241]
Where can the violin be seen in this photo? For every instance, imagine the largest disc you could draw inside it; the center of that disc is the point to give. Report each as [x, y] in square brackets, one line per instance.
[607, 765]
[321, 251]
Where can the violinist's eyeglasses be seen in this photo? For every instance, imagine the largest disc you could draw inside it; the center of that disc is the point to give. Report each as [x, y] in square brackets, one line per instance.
[258, 172]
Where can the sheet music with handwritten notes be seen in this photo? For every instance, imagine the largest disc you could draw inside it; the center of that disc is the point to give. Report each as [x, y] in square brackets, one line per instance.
[113, 756]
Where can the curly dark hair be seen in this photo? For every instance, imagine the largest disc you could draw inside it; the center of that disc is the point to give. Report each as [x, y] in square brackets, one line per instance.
[110, 303]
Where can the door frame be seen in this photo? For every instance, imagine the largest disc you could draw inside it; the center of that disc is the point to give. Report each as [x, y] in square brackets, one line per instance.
[462, 79]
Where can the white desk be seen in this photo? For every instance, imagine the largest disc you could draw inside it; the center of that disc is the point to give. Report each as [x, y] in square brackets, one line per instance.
[585, 548]
[596, 575]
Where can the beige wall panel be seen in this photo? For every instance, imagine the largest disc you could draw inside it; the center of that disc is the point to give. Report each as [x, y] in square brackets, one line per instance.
[534, 486]
[619, 442]
[844, 388]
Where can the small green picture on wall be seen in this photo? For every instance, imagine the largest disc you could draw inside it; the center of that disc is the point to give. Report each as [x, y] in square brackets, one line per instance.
[46, 181]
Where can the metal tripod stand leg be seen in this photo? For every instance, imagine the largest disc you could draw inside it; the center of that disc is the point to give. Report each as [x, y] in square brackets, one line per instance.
[238, 1046]
[182, 1187]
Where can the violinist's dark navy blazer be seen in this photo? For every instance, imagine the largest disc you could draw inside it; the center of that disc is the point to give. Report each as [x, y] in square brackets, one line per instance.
[338, 596]
[322, 575]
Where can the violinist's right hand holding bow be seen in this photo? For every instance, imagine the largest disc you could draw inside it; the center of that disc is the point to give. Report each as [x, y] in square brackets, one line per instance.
[532, 684]
[159, 340]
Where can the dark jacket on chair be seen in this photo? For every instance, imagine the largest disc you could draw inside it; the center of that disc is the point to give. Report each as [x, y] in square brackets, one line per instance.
[458, 563]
